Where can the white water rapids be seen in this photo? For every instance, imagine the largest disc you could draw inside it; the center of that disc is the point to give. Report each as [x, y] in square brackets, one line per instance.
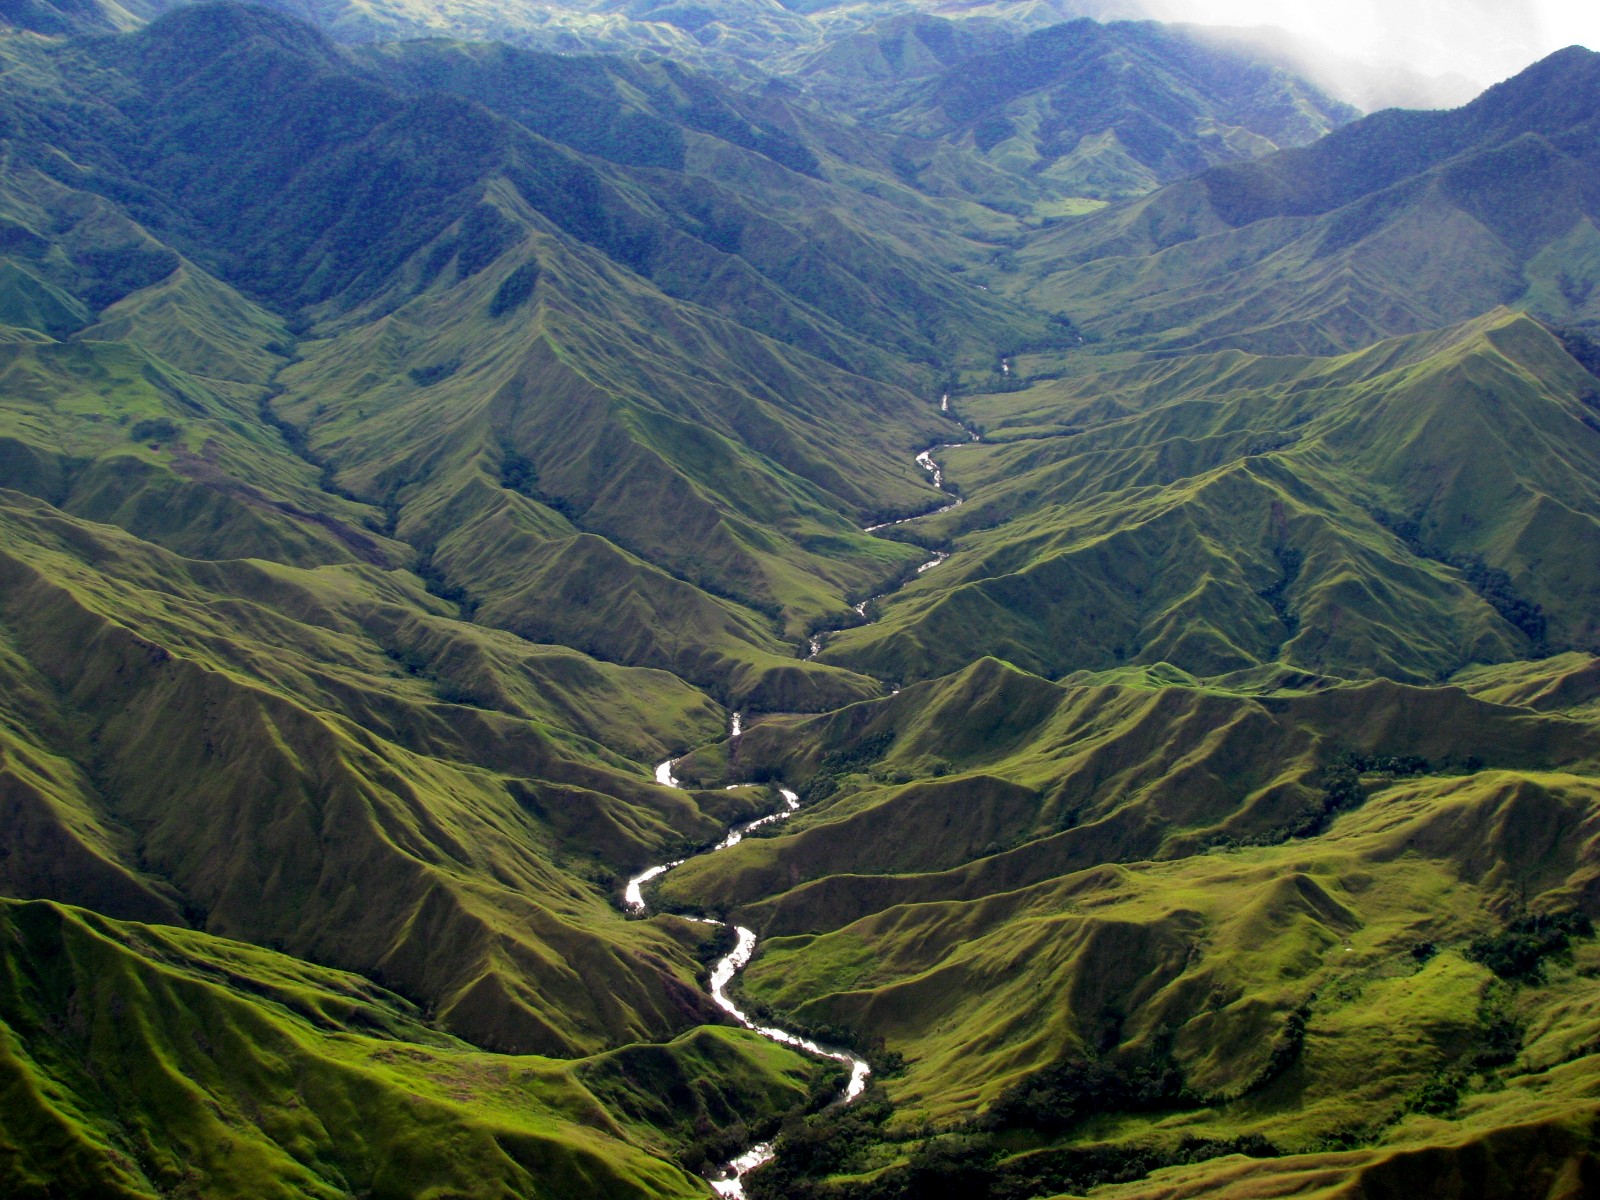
[928, 463]
[730, 1177]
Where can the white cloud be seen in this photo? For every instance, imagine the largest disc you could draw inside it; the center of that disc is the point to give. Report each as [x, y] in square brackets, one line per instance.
[1568, 22]
[1485, 40]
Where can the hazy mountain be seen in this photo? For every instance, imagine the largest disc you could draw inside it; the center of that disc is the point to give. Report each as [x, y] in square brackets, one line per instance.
[747, 40]
[1401, 222]
[57, 18]
[1097, 110]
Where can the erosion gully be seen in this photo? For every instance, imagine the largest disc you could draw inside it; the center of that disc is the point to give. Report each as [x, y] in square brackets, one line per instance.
[729, 1179]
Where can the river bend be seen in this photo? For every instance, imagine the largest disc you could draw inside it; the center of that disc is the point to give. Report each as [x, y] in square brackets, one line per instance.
[730, 1176]
[729, 1180]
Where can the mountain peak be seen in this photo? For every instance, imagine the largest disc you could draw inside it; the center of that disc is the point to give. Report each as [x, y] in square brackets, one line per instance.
[216, 28]
[1558, 91]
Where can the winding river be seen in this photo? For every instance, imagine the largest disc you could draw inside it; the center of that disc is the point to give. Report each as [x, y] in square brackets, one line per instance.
[928, 463]
[729, 1180]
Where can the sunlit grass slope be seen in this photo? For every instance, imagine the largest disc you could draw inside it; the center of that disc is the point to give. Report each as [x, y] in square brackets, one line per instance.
[561, 469]
[140, 1061]
[323, 761]
[1131, 921]
[995, 779]
[1404, 511]
[404, 449]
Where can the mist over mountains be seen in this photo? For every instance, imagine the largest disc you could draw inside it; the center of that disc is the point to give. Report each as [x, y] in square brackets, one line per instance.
[1144, 511]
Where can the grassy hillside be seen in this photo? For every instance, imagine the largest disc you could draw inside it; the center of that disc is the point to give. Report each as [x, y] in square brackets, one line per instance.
[240, 1072]
[259, 738]
[1374, 514]
[1335, 917]
[664, 403]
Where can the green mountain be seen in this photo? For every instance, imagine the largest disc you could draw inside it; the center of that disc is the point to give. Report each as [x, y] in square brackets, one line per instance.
[1133, 922]
[435, 482]
[1389, 512]
[242, 1072]
[1402, 222]
[717, 312]
[1100, 111]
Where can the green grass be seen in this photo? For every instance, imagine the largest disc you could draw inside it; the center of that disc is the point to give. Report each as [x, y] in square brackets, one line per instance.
[240, 1072]
[936, 937]
[349, 730]
[1372, 514]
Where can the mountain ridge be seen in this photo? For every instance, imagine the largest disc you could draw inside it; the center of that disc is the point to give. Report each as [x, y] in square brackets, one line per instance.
[1401, 222]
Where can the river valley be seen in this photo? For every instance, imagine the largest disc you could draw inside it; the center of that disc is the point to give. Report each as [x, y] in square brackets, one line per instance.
[729, 1180]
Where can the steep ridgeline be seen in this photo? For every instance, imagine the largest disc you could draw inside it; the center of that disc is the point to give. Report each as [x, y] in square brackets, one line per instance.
[1401, 222]
[243, 1072]
[748, 41]
[1417, 505]
[1340, 929]
[984, 107]
[1234, 832]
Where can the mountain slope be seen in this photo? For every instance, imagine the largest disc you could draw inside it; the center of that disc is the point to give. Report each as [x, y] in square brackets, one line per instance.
[1107, 111]
[243, 1072]
[1262, 925]
[407, 450]
[327, 753]
[1404, 221]
[1403, 512]
[512, 276]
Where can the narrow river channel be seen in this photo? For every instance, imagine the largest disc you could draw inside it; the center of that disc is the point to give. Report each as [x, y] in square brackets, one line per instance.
[730, 1177]
[928, 463]
[729, 1180]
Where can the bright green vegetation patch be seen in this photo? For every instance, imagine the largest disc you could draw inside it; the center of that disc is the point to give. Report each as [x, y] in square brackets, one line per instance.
[109, 431]
[324, 761]
[139, 1060]
[1355, 993]
[1338, 920]
[1406, 511]
[1072, 206]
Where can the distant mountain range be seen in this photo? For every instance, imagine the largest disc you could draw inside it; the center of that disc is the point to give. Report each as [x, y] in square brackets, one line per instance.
[1402, 222]
[1097, 110]
[752, 40]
